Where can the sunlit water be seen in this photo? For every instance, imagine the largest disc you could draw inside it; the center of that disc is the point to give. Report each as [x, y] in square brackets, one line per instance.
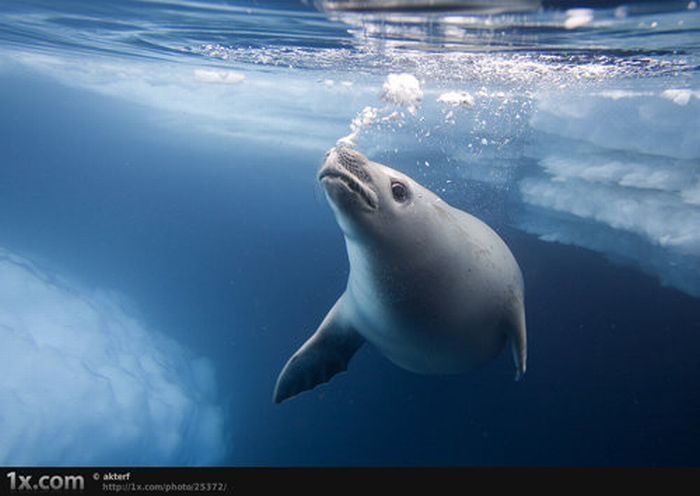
[164, 246]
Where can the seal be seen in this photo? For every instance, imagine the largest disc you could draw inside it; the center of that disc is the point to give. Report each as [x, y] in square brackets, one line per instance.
[435, 289]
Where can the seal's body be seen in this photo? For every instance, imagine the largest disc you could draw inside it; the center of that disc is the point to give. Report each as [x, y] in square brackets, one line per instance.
[436, 290]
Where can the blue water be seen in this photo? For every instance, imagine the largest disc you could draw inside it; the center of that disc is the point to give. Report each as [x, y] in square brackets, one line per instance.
[164, 246]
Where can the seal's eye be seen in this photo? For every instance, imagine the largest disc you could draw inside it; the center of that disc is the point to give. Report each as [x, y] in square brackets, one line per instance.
[399, 191]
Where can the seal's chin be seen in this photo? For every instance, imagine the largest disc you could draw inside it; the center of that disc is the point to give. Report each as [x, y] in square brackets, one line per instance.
[341, 185]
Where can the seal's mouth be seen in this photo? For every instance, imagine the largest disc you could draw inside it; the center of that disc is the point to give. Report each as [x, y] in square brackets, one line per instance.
[331, 174]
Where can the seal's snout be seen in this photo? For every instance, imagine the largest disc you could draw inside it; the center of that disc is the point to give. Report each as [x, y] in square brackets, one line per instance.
[345, 159]
[352, 161]
[344, 174]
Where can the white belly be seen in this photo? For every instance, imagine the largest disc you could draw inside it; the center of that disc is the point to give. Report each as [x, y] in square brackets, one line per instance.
[429, 344]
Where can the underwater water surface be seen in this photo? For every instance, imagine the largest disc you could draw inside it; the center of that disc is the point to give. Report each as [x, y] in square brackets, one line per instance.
[165, 246]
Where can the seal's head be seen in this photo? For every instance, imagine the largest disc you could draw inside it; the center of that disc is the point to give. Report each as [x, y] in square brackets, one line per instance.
[367, 196]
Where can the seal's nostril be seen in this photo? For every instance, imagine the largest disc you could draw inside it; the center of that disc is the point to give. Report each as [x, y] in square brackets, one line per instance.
[353, 162]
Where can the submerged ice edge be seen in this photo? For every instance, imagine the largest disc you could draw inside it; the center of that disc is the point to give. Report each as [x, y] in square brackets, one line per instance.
[619, 173]
[150, 401]
[470, 134]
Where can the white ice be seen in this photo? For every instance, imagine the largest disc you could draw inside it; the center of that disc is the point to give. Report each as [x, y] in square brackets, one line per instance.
[84, 382]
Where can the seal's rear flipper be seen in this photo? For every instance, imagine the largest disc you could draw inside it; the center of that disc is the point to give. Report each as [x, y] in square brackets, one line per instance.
[325, 354]
[518, 343]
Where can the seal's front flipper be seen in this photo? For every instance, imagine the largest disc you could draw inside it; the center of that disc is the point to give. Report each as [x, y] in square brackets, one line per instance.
[325, 354]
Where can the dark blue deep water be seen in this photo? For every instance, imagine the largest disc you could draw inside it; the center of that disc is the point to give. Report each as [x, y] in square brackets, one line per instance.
[164, 246]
